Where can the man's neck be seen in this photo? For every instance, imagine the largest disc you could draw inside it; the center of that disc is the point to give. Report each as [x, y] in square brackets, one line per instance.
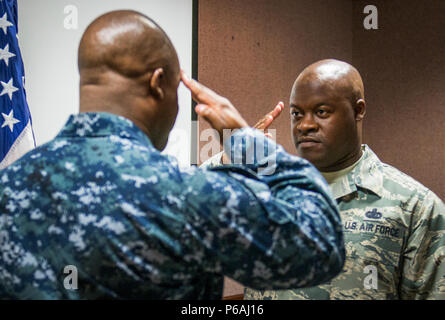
[345, 162]
[334, 176]
[100, 99]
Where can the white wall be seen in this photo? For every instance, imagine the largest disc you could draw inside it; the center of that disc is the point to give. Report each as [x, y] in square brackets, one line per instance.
[49, 51]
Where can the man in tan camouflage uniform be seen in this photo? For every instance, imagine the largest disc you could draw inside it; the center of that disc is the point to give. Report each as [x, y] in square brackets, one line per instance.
[394, 227]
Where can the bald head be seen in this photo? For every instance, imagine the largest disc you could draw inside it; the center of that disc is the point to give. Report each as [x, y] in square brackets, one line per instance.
[327, 108]
[129, 67]
[335, 75]
[128, 43]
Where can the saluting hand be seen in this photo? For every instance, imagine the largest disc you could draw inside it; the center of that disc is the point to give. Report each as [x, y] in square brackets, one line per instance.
[215, 109]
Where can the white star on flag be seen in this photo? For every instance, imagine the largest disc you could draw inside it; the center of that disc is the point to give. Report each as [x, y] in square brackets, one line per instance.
[8, 88]
[14, 114]
[4, 23]
[5, 54]
[10, 121]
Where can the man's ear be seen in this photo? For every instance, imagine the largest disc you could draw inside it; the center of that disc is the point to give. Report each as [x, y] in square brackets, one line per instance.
[155, 83]
[360, 109]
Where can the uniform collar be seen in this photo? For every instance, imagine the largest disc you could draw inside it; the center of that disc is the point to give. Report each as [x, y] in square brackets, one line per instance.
[102, 124]
[367, 174]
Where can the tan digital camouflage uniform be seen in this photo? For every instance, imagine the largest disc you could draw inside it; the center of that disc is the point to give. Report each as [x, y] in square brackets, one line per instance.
[392, 222]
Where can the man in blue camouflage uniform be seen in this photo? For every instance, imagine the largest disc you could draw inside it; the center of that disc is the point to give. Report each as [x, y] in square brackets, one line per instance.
[394, 227]
[102, 200]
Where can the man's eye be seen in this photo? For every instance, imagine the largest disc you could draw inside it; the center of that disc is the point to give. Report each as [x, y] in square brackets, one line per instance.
[322, 112]
[295, 114]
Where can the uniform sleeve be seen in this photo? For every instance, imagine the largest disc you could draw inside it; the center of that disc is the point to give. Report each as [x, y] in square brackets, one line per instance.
[267, 221]
[424, 258]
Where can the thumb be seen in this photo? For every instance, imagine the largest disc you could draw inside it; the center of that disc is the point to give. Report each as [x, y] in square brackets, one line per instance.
[207, 113]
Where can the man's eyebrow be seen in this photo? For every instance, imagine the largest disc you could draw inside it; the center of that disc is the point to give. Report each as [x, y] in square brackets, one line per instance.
[321, 104]
[314, 107]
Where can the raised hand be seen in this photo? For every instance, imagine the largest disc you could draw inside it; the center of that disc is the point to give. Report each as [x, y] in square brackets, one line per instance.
[263, 124]
[215, 109]
[267, 120]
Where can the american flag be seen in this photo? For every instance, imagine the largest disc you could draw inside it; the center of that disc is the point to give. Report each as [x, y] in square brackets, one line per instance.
[16, 134]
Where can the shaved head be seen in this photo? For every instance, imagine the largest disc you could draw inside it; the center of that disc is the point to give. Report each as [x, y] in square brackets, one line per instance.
[128, 66]
[335, 75]
[128, 43]
[327, 108]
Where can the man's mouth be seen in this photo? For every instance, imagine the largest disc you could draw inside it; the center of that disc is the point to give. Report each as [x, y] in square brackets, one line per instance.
[307, 142]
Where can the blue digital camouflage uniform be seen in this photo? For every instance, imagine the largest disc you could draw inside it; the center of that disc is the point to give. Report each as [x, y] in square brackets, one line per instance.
[101, 198]
[393, 224]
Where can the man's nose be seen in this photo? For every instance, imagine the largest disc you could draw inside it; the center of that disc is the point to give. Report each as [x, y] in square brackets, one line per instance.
[307, 124]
